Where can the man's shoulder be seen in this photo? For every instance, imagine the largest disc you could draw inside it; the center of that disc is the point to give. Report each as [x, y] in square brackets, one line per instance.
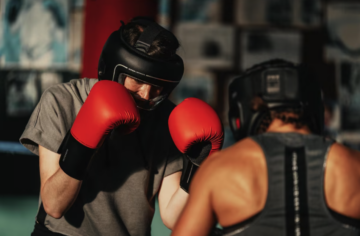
[85, 83]
[63, 87]
[76, 88]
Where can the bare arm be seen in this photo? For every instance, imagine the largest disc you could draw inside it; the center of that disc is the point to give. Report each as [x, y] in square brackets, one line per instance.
[172, 199]
[198, 218]
[58, 190]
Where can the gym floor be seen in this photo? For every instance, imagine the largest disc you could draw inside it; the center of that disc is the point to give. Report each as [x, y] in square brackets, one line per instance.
[17, 216]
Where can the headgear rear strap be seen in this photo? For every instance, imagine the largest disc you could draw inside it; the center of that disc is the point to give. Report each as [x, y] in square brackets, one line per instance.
[147, 37]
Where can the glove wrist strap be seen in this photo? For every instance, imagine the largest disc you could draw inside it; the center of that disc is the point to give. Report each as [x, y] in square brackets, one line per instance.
[187, 175]
[75, 157]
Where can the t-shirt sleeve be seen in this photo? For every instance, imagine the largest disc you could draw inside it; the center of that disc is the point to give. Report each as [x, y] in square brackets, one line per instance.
[50, 121]
[174, 161]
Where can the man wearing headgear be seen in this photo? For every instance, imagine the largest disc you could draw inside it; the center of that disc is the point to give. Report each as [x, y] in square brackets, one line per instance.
[105, 146]
[282, 177]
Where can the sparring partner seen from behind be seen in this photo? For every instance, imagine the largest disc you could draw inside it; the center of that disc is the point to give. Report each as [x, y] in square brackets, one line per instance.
[104, 144]
[282, 177]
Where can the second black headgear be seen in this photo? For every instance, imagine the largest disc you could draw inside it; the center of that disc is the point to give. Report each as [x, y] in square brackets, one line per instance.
[279, 84]
[119, 59]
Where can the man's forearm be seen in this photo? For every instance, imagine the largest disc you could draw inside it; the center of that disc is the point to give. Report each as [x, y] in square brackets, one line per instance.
[59, 193]
[175, 207]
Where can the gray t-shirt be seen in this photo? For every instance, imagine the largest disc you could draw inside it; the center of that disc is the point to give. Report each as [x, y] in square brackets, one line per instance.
[117, 194]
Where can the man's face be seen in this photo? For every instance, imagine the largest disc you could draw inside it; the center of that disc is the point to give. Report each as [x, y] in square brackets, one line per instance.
[142, 90]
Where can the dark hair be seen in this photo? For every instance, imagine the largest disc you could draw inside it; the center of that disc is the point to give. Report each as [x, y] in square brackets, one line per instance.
[298, 116]
[164, 45]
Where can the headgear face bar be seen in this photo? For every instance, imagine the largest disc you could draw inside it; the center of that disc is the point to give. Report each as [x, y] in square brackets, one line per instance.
[119, 60]
[279, 87]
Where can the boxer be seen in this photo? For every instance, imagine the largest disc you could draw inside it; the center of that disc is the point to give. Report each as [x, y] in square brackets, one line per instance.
[282, 177]
[105, 147]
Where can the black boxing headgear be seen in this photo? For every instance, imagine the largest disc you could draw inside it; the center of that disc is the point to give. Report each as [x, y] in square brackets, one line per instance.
[280, 85]
[119, 60]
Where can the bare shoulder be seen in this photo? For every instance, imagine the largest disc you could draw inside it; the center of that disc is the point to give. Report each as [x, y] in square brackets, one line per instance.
[344, 159]
[342, 180]
[246, 150]
[235, 178]
[341, 149]
[237, 159]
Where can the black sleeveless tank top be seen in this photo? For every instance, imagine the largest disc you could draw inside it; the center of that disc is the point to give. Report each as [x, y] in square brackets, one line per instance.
[295, 205]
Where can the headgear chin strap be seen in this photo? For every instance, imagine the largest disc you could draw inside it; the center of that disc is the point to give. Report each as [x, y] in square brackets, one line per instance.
[119, 58]
[279, 87]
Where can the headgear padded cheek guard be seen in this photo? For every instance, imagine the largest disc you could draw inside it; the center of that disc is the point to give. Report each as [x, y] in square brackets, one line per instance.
[279, 87]
[119, 58]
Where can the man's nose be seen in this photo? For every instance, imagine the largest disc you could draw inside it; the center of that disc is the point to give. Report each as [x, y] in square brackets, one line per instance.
[144, 91]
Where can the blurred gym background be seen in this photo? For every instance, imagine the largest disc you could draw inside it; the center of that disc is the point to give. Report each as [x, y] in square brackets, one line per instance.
[44, 42]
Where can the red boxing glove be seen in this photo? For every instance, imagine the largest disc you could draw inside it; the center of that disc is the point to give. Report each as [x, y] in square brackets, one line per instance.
[197, 132]
[108, 106]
